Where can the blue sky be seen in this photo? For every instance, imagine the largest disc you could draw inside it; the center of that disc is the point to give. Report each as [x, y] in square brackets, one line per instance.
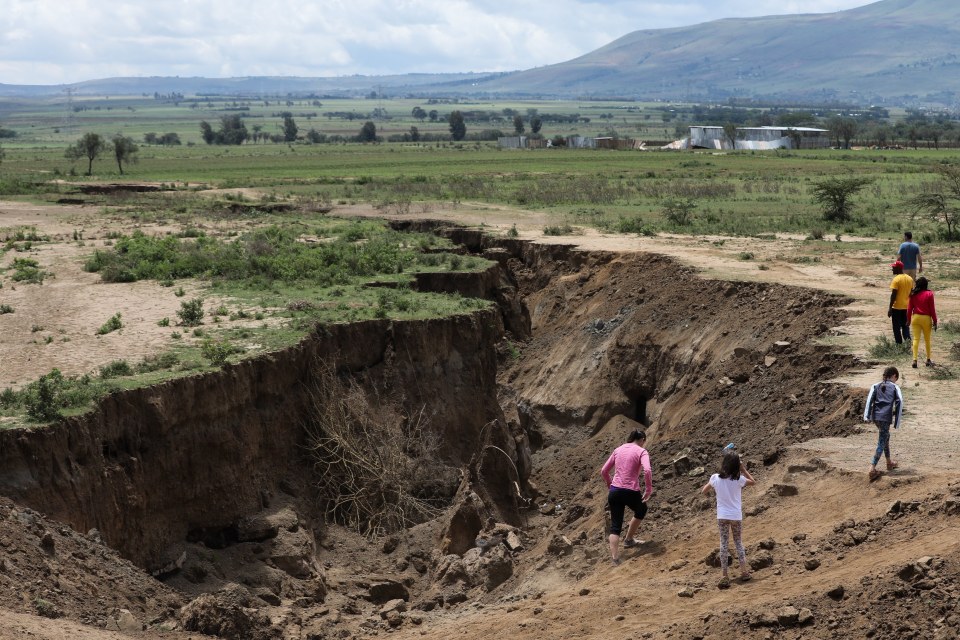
[62, 41]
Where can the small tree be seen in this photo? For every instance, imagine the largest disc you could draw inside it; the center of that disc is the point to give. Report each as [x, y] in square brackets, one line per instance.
[289, 128]
[518, 124]
[846, 130]
[124, 150]
[419, 113]
[414, 134]
[730, 133]
[90, 146]
[207, 133]
[368, 132]
[941, 201]
[835, 194]
[535, 124]
[458, 127]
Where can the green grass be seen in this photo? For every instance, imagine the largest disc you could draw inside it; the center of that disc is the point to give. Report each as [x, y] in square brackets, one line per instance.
[884, 348]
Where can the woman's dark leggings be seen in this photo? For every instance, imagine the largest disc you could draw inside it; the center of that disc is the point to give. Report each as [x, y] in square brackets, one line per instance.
[619, 499]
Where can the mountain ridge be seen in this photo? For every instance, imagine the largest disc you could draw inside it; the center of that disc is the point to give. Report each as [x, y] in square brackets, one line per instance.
[892, 52]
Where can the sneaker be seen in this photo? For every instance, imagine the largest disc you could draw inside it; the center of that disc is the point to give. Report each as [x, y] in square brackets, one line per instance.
[874, 474]
[930, 363]
[914, 365]
[892, 465]
[616, 562]
[632, 542]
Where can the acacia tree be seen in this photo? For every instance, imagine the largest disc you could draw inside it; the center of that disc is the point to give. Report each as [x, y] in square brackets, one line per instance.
[90, 146]
[835, 194]
[941, 200]
[124, 150]
[458, 127]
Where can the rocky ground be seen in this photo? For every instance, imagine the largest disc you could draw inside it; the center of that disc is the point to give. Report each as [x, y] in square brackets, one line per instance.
[833, 555]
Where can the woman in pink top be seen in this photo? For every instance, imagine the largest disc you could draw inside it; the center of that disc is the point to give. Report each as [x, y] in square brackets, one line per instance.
[629, 460]
[921, 315]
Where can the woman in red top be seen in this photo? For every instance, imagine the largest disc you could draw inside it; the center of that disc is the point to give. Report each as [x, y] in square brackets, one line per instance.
[921, 314]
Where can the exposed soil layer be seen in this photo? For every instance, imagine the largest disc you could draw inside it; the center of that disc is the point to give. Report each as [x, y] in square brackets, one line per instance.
[204, 482]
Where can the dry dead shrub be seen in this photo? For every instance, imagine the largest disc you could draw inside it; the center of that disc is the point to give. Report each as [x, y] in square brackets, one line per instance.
[377, 470]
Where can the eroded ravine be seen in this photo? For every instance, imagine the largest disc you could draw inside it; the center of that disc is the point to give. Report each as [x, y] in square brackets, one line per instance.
[596, 339]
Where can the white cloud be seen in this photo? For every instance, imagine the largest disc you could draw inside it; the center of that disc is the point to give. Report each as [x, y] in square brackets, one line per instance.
[53, 41]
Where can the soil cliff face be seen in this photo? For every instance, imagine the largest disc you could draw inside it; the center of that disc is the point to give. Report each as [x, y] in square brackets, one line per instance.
[189, 457]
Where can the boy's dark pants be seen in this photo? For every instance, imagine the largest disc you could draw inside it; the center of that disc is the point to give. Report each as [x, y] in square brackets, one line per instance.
[901, 330]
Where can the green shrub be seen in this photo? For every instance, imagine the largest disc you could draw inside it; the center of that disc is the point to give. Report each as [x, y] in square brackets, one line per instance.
[28, 271]
[745, 255]
[111, 325]
[166, 360]
[163, 322]
[456, 261]
[679, 211]
[116, 369]
[558, 230]
[191, 312]
[512, 232]
[217, 351]
[884, 348]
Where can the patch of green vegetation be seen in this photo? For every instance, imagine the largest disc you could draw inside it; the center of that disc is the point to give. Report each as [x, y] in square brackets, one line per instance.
[45, 399]
[884, 348]
[28, 271]
[5, 308]
[116, 369]
[558, 230]
[111, 325]
[218, 351]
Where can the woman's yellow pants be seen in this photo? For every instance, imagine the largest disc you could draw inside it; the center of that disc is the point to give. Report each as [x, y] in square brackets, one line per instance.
[920, 324]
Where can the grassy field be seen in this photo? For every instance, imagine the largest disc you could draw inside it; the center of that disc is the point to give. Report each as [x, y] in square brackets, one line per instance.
[738, 193]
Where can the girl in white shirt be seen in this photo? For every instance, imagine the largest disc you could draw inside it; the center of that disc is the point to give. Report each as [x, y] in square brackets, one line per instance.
[727, 484]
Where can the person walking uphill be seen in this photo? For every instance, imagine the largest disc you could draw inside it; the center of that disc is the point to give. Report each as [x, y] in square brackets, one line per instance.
[629, 459]
[900, 288]
[884, 407]
[921, 314]
[728, 485]
[909, 255]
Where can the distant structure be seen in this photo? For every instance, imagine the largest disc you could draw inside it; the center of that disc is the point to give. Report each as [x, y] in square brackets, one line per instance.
[755, 138]
[571, 142]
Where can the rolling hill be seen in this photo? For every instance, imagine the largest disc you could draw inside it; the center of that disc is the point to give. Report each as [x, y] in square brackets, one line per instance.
[893, 50]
